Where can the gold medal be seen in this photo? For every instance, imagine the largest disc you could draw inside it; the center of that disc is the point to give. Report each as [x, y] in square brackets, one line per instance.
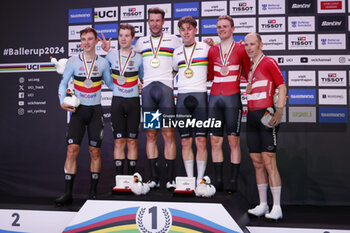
[121, 80]
[155, 62]
[88, 83]
[188, 73]
[224, 71]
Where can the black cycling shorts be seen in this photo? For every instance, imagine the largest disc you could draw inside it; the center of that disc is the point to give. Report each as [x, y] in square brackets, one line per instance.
[125, 117]
[90, 117]
[259, 137]
[190, 106]
[227, 109]
[157, 95]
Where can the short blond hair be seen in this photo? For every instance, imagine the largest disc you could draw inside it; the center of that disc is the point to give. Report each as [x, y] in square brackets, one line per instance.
[227, 17]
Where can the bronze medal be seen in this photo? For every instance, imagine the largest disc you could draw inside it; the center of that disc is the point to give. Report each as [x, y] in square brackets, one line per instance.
[224, 71]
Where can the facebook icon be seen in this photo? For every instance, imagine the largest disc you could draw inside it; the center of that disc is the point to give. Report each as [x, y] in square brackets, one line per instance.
[151, 120]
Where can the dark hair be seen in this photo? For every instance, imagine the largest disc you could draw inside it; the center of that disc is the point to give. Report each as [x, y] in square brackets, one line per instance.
[156, 10]
[127, 26]
[87, 30]
[227, 17]
[187, 19]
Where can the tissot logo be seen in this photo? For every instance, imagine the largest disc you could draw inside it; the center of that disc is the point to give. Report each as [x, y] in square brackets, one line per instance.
[239, 7]
[242, 6]
[132, 12]
[334, 23]
[301, 42]
[272, 25]
[335, 78]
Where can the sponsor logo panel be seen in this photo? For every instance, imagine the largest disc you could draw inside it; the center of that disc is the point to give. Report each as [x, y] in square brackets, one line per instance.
[312, 60]
[80, 15]
[301, 78]
[104, 14]
[301, 6]
[331, 41]
[301, 24]
[186, 9]
[272, 24]
[166, 7]
[333, 23]
[139, 28]
[166, 27]
[106, 98]
[108, 30]
[331, 78]
[302, 114]
[208, 26]
[333, 115]
[132, 12]
[214, 8]
[301, 42]
[242, 7]
[274, 42]
[244, 25]
[331, 6]
[332, 96]
[74, 31]
[268, 7]
[74, 48]
[302, 96]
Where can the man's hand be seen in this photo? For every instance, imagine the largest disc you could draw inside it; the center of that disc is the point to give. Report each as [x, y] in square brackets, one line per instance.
[209, 41]
[105, 45]
[248, 89]
[140, 86]
[277, 117]
[68, 107]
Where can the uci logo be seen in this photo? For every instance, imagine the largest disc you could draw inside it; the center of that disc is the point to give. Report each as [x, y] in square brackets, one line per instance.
[106, 14]
[33, 67]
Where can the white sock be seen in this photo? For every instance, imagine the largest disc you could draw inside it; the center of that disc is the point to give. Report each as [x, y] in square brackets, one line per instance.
[276, 194]
[189, 167]
[201, 166]
[262, 188]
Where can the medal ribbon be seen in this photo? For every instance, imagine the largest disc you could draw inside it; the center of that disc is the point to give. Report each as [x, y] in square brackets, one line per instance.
[158, 47]
[252, 70]
[189, 62]
[224, 60]
[88, 73]
[121, 68]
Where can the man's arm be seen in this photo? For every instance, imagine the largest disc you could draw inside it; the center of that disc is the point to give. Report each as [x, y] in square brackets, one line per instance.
[277, 117]
[62, 88]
